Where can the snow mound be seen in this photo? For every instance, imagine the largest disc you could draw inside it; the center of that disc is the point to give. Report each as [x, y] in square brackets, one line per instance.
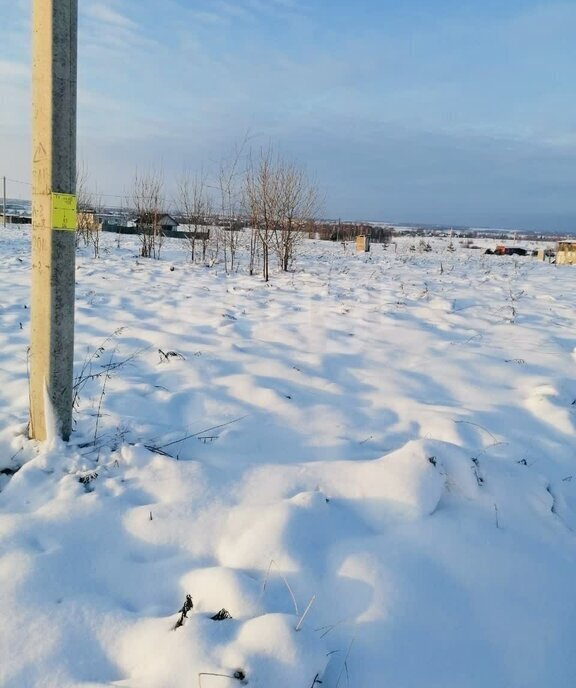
[402, 485]
[260, 652]
[222, 588]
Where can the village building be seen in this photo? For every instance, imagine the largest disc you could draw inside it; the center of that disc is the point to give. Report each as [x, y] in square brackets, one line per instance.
[566, 253]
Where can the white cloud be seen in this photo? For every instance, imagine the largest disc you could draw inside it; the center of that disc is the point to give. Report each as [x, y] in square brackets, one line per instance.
[107, 15]
[248, 9]
[206, 17]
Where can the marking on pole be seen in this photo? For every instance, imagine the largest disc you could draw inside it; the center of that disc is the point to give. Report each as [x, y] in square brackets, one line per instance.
[41, 178]
[64, 211]
[40, 154]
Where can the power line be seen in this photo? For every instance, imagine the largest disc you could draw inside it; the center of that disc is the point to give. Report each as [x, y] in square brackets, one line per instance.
[17, 181]
[95, 193]
[98, 194]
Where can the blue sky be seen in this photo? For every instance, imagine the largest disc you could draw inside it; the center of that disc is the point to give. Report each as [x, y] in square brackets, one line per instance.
[450, 111]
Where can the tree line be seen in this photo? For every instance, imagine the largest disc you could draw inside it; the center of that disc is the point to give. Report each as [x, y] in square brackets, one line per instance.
[261, 199]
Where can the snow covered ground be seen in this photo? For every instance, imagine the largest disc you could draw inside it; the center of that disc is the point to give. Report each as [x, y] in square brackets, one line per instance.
[369, 463]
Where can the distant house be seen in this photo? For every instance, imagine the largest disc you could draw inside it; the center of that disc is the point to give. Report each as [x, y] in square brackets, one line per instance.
[566, 253]
[16, 219]
[165, 222]
[88, 219]
[17, 212]
[194, 231]
[99, 219]
[110, 218]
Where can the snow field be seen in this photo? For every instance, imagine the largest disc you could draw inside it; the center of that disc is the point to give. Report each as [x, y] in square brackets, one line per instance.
[386, 441]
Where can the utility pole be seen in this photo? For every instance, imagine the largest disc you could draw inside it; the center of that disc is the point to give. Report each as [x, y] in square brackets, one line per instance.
[4, 202]
[54, 69]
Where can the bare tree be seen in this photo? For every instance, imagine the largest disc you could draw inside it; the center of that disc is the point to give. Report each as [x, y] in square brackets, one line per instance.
[196, 207]
[262, 202]
[95, 232]
[280, 201]
[85, 216]
[90, 207]
[211, 248]
[254, 252]
[298, 204]
[228, 186]
[147, 202]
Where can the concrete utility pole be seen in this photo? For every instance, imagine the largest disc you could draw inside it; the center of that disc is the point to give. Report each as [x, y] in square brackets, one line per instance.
[55, 28]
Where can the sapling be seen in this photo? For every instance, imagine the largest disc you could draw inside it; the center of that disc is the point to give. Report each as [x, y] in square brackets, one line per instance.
[147, 200]
[195, 206]
[102, 393]
[86, 371]
[228, 184]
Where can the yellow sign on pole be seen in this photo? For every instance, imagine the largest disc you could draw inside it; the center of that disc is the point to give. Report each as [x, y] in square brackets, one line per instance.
[64, 211]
